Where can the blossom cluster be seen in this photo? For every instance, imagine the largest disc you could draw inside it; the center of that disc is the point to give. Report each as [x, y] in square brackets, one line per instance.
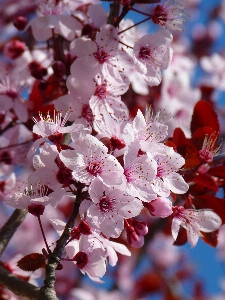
[86, 145]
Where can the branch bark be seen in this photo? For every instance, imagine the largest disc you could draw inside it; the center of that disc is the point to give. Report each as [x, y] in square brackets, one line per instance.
[20, 287]
[55, 256]
[10, 227]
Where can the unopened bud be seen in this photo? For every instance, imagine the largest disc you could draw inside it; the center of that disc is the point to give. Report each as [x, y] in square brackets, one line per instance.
[14, 49]
[20, 22]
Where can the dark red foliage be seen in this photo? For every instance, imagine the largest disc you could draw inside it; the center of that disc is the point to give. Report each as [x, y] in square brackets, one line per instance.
[210, 238]
[180, 141]
[206, 181]
[204, 115]
[147, 284]
[31, 262]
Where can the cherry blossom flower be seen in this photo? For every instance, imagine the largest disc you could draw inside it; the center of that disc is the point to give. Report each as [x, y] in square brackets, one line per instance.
[80, 110]
[153, 54]
[100, 56]
[92, 161]
[89, 255]
[106, 97]
[10, 97]
[149, 129]
[52, 18]
[14, 144]
[7, 186]
[38, 194]
[139, 171]
[215, 66]
[49, 127]
[209, 149]
[169, 15]
[110, 208]
[167, 179]
[194, 221]
[160, 207]
[51, 171]
[117, 134]
[178, 97]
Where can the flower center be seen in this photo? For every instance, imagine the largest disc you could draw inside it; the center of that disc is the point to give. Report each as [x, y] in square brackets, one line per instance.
[206, 155]
[160, 172]
[101, 56]
[105, 204]
[144, 53]
[128, 174]
[94, 168]
[87, 113]
[101, 91]
[159, 16]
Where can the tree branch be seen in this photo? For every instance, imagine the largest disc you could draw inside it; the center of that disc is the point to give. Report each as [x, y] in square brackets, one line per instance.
[22, 288]
[10, 227]
[55, 256]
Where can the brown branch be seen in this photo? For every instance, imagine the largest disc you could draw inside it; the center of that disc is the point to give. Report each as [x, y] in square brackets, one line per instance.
[22, 288]
[55, 256]
[124, 12]
[10, 227]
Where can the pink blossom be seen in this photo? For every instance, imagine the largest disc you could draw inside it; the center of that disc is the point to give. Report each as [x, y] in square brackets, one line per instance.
[51, 171]
[209, 149]
[110, 208]
[160, 207]
[149, 129]
[52, 18]
[215, 66]
[153, 54]
[10, 97]
[139, 171]
[80, 109]
[31, 195]
[14, 144]
[116, 132]
[48, 127]
[167, 179]
[194, 221]
[92, 161]
[101, 56]
[169, 15]
[89, 256]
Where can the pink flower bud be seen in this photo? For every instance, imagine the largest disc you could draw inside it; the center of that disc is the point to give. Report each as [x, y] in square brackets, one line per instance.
[14, 49]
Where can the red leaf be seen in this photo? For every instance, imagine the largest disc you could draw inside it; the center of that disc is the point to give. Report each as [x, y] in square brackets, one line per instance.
[181, 238]
[191, 158]
[204, 115]
[205, 180]
[217, 171]
[180, 141]
[210, 238]
[31, 262]
[171, 144]
[148, 283]
[200, 134]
